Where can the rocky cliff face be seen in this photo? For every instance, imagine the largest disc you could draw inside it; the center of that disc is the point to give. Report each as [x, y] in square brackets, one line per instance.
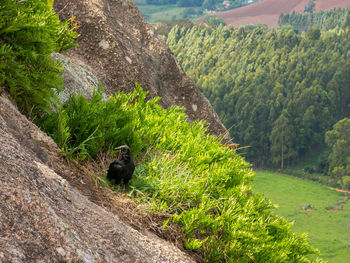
[120, 48]
[54, 212]
[44, 219]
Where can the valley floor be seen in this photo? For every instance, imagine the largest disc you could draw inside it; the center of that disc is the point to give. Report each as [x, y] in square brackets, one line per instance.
[321, 212]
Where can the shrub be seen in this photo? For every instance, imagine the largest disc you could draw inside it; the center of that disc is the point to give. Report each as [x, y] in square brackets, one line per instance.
[309, 170]
[339, 141]
[184, 172]
[29, 33]
[84, 128]
[309, 7]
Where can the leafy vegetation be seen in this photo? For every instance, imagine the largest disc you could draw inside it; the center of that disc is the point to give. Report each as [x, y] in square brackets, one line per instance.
[277, 91]
[339, 159]
[165, 26]
[309, 6]
[324, 20]
[29, 33]
[214, 21]
[325, 222]
[83, 129]
[184, 172]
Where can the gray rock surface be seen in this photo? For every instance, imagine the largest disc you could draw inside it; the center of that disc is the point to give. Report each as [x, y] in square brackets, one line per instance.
[44, 219]
[121, 49]
[77, 79]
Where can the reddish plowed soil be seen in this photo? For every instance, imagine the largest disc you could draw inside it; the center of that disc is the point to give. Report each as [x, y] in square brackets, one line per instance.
[268, 11]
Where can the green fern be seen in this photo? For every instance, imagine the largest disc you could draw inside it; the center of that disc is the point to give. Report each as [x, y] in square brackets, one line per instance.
[62, 134]
[188, 174]
[29, 33]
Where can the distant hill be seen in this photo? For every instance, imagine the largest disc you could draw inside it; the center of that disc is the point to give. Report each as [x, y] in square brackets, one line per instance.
[268, 11]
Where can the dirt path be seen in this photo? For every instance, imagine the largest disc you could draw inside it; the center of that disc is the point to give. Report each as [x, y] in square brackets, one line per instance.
[339, 190]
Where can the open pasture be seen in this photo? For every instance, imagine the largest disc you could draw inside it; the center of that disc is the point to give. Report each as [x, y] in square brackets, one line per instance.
[155, 13]
[325, 220]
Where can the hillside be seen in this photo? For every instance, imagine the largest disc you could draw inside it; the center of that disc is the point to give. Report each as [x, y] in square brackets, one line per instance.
[278, 91]
[56, 202]
[268, 11]
[120, 48]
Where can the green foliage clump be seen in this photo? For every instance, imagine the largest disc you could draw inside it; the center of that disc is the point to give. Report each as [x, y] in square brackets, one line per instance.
[314, 33]
[85, 128]
[29, 32]
[214, 21]
[325, 20]
[165, 26]
[309, 7]
[184, 172]
[277, 91]
[339, 160]
[345, 182]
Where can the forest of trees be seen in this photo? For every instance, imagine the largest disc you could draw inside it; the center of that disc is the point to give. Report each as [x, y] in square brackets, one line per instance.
[278, 92]
[324, 20]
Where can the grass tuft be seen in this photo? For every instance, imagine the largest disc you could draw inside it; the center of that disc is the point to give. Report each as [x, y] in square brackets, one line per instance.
[182, 171]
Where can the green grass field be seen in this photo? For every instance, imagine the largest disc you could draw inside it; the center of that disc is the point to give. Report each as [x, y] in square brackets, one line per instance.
[327, 229]
[154, 13]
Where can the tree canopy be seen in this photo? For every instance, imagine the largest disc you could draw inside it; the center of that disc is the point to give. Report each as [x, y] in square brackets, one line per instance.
[325, 20]
[277, 91]
[339, 140]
